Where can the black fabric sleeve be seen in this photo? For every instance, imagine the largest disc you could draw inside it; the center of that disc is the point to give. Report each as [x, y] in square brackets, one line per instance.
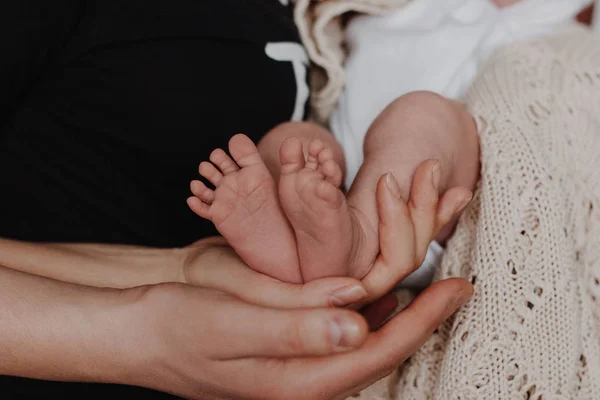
[31, 32]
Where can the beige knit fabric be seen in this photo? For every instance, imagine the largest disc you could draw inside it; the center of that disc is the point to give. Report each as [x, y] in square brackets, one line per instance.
[530, 240]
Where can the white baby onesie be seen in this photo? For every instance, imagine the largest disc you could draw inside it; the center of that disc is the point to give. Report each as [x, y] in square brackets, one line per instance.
[433, 45]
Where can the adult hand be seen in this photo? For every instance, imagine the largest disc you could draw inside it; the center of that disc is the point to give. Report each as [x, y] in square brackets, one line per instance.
[406, 228]
[201, 343]
[212, 264]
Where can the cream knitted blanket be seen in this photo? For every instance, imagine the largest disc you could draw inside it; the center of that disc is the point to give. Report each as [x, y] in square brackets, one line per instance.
[530, 240]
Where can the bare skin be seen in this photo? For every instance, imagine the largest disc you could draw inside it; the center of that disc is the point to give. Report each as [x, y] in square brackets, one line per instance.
[276, 340]
[504, 3]
[245, 209]
[328, 228]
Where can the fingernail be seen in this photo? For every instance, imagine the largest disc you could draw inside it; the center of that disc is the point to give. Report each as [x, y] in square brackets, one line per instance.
[392, 185]
[463, 204]
[345, 333]
[347, 295]
[435, 172]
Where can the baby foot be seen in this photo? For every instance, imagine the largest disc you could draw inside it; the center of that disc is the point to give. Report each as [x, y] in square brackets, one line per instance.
[325, 227]
[245, 209]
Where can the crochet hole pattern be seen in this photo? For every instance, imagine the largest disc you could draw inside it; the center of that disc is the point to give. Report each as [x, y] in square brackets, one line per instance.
[529, 241]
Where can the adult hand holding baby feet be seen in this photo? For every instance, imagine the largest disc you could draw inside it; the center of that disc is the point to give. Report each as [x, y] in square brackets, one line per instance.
[334, 237]
[213, 264]
[245, 209]
[280, 353]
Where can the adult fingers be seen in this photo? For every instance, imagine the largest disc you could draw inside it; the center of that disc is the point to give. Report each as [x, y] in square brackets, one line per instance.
[423, 206]
[220, 268]
[450, 206]
[250, 331]
[383, 351]
[396, 240]
[377, 312]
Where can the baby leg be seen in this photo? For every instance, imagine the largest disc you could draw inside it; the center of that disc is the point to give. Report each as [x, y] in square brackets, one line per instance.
[414, 128]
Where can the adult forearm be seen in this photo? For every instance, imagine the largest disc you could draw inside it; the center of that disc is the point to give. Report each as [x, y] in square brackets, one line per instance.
[59, 331]
[92, 264]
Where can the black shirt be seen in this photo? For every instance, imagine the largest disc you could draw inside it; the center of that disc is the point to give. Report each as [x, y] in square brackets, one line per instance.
[108, 106]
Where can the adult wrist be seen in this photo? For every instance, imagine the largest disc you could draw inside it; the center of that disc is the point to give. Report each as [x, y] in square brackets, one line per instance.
[127, 344]
[147, 360]
[113, 339]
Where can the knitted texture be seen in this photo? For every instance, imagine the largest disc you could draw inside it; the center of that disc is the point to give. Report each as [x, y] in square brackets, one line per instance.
[529, 241]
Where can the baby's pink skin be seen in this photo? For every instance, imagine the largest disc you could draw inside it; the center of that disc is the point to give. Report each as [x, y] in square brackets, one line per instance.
[504, 3]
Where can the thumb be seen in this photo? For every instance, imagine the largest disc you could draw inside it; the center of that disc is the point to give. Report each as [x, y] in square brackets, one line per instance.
[252, 331]
[384, 350]
[417, 322]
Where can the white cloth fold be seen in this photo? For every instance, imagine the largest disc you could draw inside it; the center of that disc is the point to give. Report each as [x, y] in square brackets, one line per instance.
[433, 45]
